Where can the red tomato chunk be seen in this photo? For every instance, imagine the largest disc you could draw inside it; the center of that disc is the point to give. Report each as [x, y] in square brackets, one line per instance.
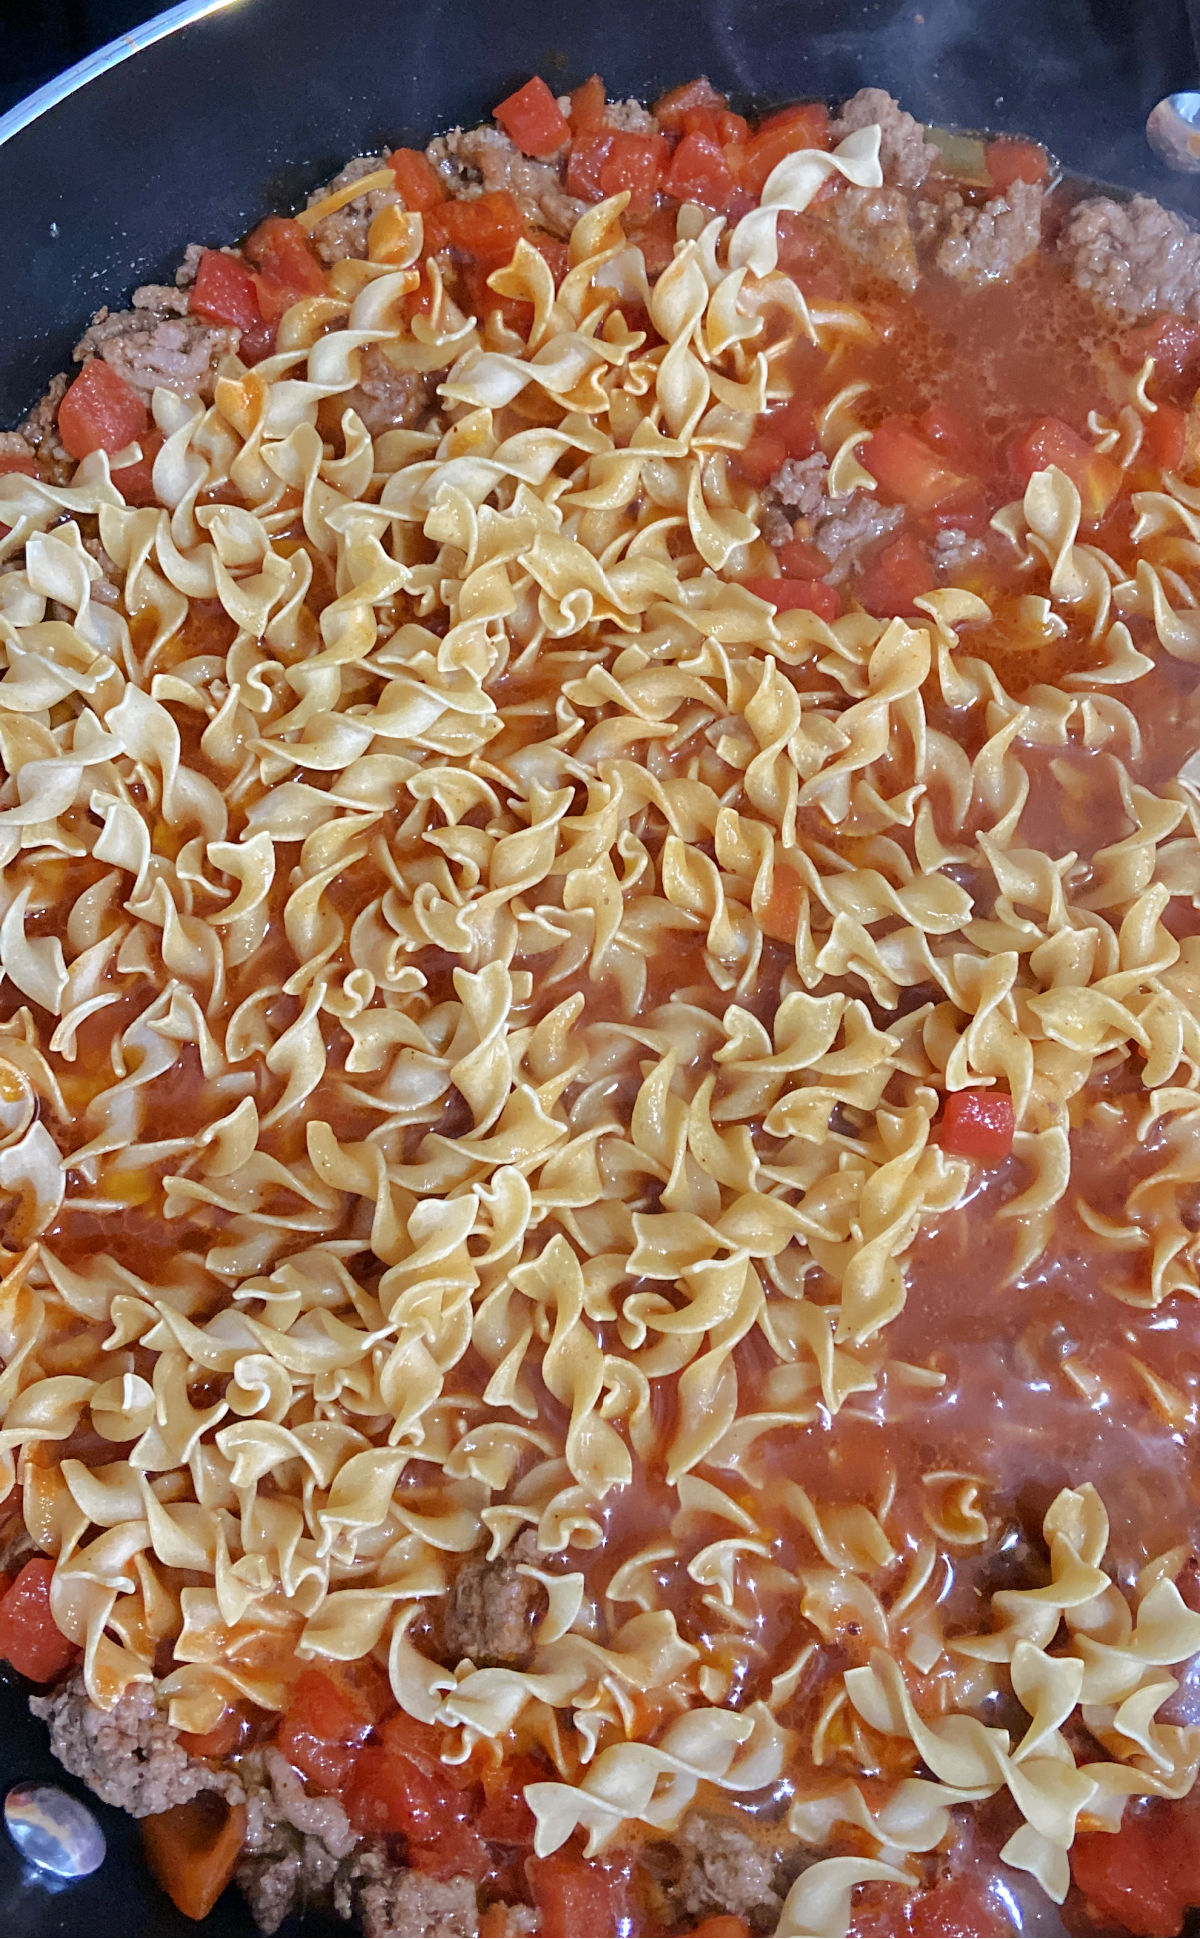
[416, 178]
[288, 266]
[908, 469]
[634, 162]
[797, 595]
[894, 580]
[1009, 160]
[533, 119]
[488, 227]
[1144, 1876]
[101, 412]
[1096, 478]
[30, 1639]
[779, 136]
[323, 1726]
[574, 1898]
[225, 292]
[978, 1124]
[700, 173]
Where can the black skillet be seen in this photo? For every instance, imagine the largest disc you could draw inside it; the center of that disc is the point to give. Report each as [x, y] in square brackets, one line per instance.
[196, 132]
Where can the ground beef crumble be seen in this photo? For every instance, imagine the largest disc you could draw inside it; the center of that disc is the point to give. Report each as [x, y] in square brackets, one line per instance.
[1135, 256]
[147, 349]
[388, 399]
[712, 1866]
[477, 161]
[130, 1755]
[985, 243]
[491, 1607]
[344, 233]
[388, 1898]
[905, 155]
[875, 225]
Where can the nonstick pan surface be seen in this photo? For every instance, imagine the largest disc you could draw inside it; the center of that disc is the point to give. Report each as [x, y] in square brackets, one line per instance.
[237, 109]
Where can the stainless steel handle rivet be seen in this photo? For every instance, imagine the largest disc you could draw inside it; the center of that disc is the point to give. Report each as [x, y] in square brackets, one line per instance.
[1173, 131]
[53, 1830]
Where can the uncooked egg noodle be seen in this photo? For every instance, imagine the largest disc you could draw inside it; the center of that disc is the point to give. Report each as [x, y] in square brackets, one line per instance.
[350, 865]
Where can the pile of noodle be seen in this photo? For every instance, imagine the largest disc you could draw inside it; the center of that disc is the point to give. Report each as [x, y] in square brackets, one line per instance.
[489, 696]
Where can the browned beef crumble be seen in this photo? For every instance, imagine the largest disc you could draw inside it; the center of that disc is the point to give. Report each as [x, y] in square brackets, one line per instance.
[1134, 256]
[491, 1609]
[384, 1897]
[714, 1865]
[848, 529]
[844, 529]
[875, 225]
[130, 1755]
[148, 348]
[294, 1843]
[905, 155]
[985, 243]
[344, 233]
[388, 399]
[478, 161]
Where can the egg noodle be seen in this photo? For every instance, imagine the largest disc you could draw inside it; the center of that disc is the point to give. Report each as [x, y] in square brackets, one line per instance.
[393, 1143]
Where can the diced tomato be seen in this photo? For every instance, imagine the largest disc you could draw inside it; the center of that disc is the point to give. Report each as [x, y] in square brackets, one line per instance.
[724, 1926]
[588, 103]
[655, 235]
[533, 119]
[135, 482]
[908, 469]
[230, 1730]
[589, 152]
[1008, 160]
[287, 264]
[418, 181]
[101, 412]
[636, 163]
[788, 432]
[225, 292]
[554, 253]
[1144, 1876]
[1096, 478]
[898, 575]
[505, 1817]
[958, 1904]
[1172, 341]
[966, 510]
[576, 1900]
[487, 227]
[330, 1713]
[780, 916]
[799, 560]
[797, 595]
[456, 1851]
[405, 1736]
[761, 458]
[952, 434]
[780, 135]
[1164, 437]
[978, 1124]
[670, 108]
[700, 173]
[394, 1793]
[29, 1637]
[733, 130]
